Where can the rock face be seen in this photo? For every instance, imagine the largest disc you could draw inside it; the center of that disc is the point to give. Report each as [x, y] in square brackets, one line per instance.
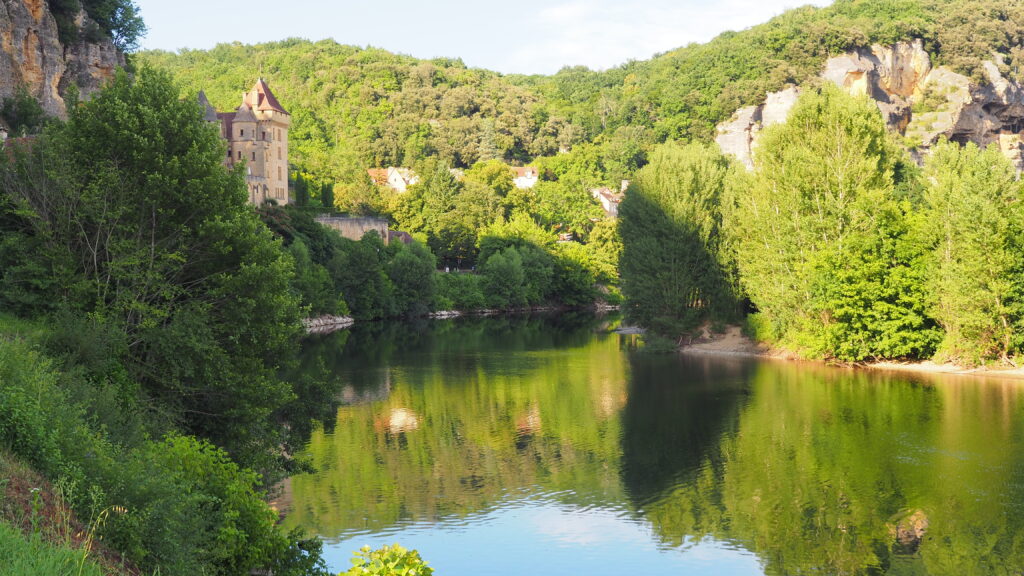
[739, 136]
[32, 55]
[915, 99]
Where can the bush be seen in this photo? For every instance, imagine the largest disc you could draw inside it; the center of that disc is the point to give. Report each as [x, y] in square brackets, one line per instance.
[388, 561]
[456, 291]
[178, 506]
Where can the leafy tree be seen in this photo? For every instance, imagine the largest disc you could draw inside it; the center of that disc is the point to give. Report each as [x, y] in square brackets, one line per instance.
[504, 278]
[327, 196]
[972, 225]
[673, 275]
[301, 188]
[819, 238]
[22, 112]
[411, 271]
[130, 201]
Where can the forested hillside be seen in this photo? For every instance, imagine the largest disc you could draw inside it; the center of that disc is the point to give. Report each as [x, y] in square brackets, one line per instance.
[355, 108]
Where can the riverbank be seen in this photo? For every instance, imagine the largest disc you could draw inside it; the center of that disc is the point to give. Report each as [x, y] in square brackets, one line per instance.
[733, 342]
[327, 324]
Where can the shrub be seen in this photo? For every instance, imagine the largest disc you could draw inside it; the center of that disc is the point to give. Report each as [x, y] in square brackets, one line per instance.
[388, 561]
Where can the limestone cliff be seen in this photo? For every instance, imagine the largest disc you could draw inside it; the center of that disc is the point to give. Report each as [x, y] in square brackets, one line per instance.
[32, 55]
[918, 101]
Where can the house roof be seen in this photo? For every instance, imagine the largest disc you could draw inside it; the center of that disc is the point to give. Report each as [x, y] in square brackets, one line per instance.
[244, 114]
[524, 171]
[260, 98]
[378, 175]
[209, 112]
[608, 194]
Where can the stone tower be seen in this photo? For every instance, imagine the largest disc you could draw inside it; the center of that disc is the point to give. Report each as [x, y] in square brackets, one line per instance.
[257, 135]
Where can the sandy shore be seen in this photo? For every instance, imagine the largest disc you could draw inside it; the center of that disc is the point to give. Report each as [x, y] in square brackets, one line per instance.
[734, 343]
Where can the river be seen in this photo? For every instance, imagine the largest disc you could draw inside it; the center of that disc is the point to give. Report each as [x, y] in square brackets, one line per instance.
[516, 446]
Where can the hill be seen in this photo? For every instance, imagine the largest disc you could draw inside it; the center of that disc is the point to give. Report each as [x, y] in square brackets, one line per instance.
[358, 107]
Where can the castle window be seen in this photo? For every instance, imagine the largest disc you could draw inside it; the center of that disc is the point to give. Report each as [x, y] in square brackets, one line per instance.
[254, 156]
[264, 134]
[278, 172]
[229, 153]
[241, 132]
[278, 153]
[239, 154]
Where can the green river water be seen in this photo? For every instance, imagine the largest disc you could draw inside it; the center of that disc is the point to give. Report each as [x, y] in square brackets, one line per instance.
[535, 445]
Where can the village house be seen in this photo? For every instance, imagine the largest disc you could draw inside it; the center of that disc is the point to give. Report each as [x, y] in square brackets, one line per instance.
[525, 177]
[398, 179]
[610, 199]
[257, 135]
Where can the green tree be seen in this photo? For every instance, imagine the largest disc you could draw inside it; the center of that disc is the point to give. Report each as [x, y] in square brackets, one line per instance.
[411, 271]
[673, 275]
[130, 201]
[972, 223]
[504, 278]
[22, 112]
[327, 196]
[819, 238]
[301, 188]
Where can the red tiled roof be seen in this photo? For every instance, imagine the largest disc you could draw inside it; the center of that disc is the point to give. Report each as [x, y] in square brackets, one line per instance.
[378, 175]
[523, 171]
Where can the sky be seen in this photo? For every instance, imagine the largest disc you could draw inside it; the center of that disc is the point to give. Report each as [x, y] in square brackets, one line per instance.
[525, 36]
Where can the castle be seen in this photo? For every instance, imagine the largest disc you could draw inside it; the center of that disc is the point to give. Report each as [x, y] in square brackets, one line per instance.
[257, 134]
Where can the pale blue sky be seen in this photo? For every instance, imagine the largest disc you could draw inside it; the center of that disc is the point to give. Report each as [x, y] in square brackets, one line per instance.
[529, 36]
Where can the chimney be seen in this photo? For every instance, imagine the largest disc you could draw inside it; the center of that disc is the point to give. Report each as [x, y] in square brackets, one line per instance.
[625, 184]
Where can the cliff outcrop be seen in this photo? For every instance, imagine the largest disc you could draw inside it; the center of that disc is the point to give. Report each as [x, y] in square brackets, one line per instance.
[32, 55]
[921, 102]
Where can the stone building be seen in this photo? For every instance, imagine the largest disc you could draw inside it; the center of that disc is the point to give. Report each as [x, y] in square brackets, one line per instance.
[257, 135]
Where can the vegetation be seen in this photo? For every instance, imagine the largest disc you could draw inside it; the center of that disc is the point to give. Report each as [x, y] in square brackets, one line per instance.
[31, 556]
[842, 246]
[118, 20]
[167, 323]
[388, 561]
[675, 269]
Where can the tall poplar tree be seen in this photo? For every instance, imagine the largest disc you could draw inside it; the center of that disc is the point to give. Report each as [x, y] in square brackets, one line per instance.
[972, 220]
[821, 239]
[673, 274]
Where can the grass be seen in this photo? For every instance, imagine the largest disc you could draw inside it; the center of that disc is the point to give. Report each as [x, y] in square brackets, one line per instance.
[39, 534]
[31, 555]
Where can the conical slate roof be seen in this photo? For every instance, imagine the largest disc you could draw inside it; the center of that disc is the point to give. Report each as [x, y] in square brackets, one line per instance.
[209, 113]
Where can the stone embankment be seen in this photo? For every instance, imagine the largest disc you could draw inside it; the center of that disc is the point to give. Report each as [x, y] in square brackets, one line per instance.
[918, 101]
[325, 324]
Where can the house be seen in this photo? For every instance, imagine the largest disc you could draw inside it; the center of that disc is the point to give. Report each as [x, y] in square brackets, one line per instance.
[525, 176]
[398, 179]
[610, 199]
[257, 135]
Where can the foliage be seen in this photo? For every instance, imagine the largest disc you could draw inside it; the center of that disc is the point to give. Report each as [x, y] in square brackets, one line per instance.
[22, 113]
[161, 503]
[820, 239]
[118, 20]
[674, 273]
[971, 224]
[459, 291]
[388, 561]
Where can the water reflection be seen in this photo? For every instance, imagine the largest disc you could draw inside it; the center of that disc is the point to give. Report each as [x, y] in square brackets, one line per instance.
[513, 446]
